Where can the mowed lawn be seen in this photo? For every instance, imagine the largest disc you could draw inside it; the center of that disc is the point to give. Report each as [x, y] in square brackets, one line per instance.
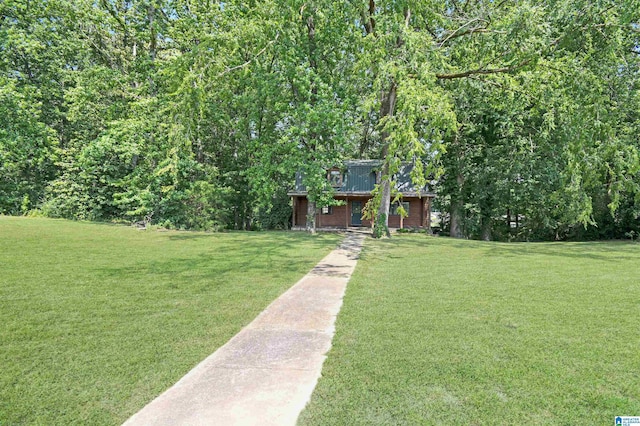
[446, 332]
[97, 320]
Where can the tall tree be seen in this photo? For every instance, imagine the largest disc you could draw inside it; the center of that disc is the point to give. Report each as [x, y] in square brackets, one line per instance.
[315, 129]
[199, 113]
[37, 53]
[411, 47]
[549, 111]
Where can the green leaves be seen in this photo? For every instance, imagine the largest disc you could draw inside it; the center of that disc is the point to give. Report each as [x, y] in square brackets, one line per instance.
[115, 109]
[551, 142]
[27, 149]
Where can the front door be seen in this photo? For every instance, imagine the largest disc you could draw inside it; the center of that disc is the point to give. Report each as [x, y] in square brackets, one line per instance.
[356, 213]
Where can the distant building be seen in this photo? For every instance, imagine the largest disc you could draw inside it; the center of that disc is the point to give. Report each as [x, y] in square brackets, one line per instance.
[353, 184]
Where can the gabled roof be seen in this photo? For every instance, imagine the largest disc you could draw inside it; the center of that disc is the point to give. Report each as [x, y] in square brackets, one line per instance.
[359, 178]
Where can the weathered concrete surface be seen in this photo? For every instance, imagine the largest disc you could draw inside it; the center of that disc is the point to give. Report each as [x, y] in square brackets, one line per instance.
[266, 373]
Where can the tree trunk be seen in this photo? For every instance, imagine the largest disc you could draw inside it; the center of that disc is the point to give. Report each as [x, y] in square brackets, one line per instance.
[311, 217]
[455, 225]
[486, 220]
[486, 228]
[387, 109]
[153, 47]
[311, 36]
[382, 218]
[456, 209]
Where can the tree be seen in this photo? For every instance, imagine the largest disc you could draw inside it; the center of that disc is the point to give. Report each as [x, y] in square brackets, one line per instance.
[200, 113]
[314, 129]
[570, 111]
[410, 48]
[419, 52]
[36, 52]
[27, 149]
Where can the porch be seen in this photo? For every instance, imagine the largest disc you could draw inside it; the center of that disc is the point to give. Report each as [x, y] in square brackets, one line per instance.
[349, 214]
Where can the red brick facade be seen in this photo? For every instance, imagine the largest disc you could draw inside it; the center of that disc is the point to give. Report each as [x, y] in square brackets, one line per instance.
[342, 217]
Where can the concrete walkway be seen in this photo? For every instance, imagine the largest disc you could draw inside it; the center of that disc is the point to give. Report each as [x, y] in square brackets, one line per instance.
[266, 373]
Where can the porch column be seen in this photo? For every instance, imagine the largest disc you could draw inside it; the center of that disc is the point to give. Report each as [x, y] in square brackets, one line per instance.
[428, 213]
[346, 214]
[293, 220]
[423, 214]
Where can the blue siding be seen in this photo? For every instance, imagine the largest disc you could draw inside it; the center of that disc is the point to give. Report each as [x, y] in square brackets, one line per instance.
[403, 179]
[360, 176]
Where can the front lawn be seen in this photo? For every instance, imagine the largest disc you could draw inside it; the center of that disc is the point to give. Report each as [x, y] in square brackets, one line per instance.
[97, 320]
[440, 331]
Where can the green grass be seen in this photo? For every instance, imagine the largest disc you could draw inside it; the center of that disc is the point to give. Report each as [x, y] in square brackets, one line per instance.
[97, 320]
[439, 331]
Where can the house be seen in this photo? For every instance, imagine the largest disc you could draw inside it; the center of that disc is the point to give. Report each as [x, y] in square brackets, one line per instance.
[353, 184]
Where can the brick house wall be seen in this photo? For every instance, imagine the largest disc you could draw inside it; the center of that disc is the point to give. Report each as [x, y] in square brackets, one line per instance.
[300, 211]
[340, 216]
[415, 215]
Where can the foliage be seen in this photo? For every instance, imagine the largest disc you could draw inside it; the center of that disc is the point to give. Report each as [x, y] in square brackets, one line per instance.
[380, 227]
[202, 113]
[550, 145]
[277, 214]
[27, 149]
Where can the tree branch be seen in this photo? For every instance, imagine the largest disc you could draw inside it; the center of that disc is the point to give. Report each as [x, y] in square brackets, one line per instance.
[455, 6]
[372, 10]
[367, 17]
[237, 67]
[458, 33]
[115, 16]
[482, 71]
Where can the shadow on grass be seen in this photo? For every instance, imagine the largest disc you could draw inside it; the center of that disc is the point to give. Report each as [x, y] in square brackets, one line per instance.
[597, 250]
[252, 256]
[277, 236]
[193, 235]
[615, 250]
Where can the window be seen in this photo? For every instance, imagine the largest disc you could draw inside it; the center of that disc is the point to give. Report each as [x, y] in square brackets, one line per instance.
[335, 178]
[393, 209]
[327, 210]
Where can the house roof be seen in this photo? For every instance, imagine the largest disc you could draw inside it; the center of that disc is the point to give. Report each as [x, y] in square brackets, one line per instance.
[359, 178]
